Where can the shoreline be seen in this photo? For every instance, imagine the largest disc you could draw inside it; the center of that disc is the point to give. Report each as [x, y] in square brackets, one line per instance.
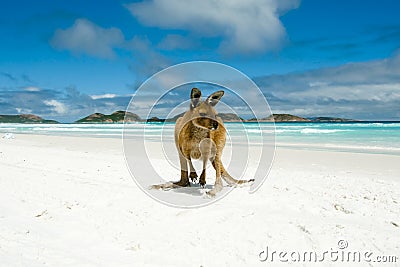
[359, 149]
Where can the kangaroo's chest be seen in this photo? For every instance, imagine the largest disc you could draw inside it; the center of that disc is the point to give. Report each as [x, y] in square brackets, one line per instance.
[198, 134]
[190, 142]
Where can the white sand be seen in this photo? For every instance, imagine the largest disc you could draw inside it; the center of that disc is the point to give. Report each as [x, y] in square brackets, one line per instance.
[68, 201]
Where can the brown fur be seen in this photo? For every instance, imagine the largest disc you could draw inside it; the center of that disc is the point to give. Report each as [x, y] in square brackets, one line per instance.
[200, 134]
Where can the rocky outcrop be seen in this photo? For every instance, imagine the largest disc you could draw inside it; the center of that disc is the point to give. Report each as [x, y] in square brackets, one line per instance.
[331, 119]
[284, 118]
[24, 118]
[116, 117]
[230, 117]
[293, 118]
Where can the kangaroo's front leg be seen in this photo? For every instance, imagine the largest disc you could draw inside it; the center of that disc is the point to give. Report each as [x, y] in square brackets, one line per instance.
[202, 181]
[193, 174]
[208, 149]
[184, 181]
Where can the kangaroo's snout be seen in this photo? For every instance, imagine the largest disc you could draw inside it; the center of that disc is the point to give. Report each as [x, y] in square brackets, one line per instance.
[207, 123]
[202, 112]
[214, 125]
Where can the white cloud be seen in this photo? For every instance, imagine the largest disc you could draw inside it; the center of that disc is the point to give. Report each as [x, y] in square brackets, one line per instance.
[57, 106]
[317, 84]
[103, 96]
[23, 110]
[245, 27]
[86, 37]
[369, 92]
[32, 89]
[364, 90]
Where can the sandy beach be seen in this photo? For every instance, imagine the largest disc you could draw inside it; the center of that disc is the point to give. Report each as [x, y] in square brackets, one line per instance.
[70, 201]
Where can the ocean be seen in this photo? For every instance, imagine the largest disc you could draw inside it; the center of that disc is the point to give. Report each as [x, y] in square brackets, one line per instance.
[361, 137]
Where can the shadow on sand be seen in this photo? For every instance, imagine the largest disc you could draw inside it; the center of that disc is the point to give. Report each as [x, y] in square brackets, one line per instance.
[193, 189]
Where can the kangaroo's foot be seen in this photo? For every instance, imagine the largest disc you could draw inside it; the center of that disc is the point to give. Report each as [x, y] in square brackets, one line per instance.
[165, 187]
[171, 185]
[193, 176]
[182, 183]
[217, 188]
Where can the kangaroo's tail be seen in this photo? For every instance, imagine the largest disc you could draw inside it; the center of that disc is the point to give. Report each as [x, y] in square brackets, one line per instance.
[232, 181]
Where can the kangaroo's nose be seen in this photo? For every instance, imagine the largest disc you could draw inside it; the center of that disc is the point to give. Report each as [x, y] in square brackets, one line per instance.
[202, 114]
[214, 125]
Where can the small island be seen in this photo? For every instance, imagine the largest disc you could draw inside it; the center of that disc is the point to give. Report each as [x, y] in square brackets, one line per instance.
[24, 118]
[116, 117]
[282, 118]
[331, 119]
[293, 118]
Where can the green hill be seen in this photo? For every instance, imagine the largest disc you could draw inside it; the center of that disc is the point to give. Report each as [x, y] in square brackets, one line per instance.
[116, 117]
[284, 118]
[24, 118]
[330, 119]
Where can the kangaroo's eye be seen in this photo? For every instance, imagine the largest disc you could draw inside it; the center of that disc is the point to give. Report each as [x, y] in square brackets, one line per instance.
[202, 114]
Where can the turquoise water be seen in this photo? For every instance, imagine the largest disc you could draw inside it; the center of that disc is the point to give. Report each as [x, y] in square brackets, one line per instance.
[374, 137]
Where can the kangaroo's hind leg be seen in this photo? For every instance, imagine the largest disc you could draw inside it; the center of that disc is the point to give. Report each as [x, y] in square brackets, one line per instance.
[184, 181]
[229, 179]
[218, 180]
[208, 150]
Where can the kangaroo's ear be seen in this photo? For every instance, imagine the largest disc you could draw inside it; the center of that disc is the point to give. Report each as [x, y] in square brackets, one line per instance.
[195, 96]
[214, 98]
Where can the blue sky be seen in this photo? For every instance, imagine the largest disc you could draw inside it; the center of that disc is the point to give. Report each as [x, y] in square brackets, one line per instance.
[67, 59]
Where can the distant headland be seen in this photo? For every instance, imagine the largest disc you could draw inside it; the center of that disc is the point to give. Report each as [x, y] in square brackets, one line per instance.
[116, 117]
[24, 118]
[124, 116]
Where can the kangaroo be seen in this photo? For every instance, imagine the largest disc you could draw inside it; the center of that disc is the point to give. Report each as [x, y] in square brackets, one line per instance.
[201, 134]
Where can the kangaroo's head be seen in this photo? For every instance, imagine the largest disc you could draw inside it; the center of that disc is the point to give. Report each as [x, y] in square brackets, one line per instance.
[203, 113]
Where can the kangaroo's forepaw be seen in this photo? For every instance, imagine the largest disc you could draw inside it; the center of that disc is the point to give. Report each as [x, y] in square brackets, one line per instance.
[202, 183]
[193, 176]
[202, 180]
